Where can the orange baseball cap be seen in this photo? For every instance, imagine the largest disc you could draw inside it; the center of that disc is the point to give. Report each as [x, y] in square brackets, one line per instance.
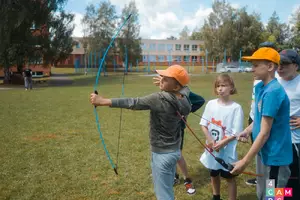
[177, 72]
[264, 53]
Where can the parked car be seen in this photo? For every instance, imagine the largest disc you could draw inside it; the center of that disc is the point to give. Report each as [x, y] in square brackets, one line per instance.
[231, 68]
[248, 69]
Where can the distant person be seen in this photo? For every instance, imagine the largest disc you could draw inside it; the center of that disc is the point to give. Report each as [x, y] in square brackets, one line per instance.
[27, 74]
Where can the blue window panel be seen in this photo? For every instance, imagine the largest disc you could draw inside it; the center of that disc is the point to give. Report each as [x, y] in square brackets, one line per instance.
[161, 47]
[194, 47]
[152, 58]
[178, 58]
[152, 47]
[161, 58]
[145, 58]
[186, 58]
[169, 47]
[77, 45]
[169, 58]
[143, 46]
[186, 47]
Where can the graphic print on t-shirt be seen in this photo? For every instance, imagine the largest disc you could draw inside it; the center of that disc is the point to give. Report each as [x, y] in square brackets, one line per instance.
[215, 133]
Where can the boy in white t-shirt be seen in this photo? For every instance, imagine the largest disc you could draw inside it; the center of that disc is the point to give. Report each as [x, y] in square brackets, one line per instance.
[222, 119]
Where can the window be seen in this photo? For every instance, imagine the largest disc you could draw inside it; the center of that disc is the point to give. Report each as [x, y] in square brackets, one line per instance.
[169, 47]
[194, 58]
[161, 58]
[145, 58]
[143, 46]
[194, 47]
[178, 47]
[169, 58]
[161, 47]
[186, 47]
[152, 58]
[186, 58]
[77, 45]
[37, 74]
[152, 47]
[178, 58]
[36, 61]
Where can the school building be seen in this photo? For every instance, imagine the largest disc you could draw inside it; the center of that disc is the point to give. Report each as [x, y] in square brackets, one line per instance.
[164, 52]
[156, 52]
[77, 55]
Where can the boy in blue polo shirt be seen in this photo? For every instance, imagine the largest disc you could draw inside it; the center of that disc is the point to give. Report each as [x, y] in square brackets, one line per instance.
[270, 129]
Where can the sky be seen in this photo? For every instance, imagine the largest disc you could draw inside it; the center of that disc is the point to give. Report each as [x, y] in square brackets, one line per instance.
[160, 19]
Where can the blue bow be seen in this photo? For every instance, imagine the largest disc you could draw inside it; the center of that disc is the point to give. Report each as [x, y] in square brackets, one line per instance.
[96, 92]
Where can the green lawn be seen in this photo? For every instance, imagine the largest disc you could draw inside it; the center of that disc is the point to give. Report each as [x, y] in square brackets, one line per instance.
[50, 148]
[190, 68]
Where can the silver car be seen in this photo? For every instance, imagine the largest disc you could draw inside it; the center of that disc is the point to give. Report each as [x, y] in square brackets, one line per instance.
[231, 68]
[248, 69]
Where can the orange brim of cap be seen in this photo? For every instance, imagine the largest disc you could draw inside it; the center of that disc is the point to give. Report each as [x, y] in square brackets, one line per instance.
[251, 58]
[164, 73]
[248, 58]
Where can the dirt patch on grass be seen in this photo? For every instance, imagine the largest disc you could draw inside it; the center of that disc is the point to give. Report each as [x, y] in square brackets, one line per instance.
[113, 192]
[37, 138]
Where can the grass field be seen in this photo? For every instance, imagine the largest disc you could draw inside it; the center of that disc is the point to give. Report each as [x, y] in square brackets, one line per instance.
[143, 68]
[50, 148]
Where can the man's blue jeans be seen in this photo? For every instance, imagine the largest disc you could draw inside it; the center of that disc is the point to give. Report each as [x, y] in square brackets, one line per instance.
[28, 82]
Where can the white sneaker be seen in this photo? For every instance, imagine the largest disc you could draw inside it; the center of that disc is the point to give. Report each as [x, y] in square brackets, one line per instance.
[189, 187]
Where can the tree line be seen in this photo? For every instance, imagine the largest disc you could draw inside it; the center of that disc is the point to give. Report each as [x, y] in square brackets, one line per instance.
[235, 29]
[101, 23]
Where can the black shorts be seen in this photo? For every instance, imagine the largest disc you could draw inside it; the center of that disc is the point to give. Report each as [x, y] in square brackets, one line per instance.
[222, 173]
[182, 136]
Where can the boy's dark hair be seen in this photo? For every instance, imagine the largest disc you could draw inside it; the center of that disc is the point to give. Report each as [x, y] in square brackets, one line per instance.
[225, 78]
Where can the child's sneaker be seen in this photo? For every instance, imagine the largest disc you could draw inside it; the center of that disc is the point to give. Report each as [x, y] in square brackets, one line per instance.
[176, 179]
[189, 186]
[251, 182]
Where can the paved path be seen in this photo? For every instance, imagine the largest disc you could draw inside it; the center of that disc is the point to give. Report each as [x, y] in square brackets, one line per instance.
[54, 80]
[60, 80]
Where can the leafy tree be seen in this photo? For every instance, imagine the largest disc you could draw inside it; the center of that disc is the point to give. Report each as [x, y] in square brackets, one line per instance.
[129, 36]
[184, 34]
[26, 32]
